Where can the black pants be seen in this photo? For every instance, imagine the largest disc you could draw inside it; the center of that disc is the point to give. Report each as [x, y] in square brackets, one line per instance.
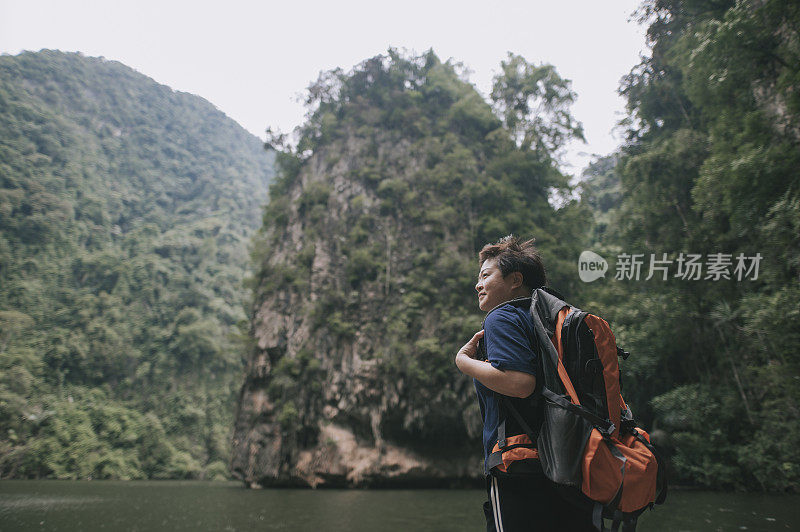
[531, 504]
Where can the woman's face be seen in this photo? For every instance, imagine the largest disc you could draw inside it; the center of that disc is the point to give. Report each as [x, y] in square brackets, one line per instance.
[492, 287]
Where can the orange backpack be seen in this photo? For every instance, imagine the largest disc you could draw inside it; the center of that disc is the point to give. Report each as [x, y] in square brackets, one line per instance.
[588, 443]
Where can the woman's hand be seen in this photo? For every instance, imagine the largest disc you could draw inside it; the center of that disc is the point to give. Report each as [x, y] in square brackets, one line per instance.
[469, 350]
[511, 383]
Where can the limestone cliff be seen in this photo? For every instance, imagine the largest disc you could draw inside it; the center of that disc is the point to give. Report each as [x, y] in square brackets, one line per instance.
[365, 292]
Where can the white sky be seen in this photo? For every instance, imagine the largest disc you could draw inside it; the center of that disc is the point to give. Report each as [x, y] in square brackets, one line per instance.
[253, 59]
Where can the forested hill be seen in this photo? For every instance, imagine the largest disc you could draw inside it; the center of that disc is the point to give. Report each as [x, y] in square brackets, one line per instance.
[125, 213]
[368, 265]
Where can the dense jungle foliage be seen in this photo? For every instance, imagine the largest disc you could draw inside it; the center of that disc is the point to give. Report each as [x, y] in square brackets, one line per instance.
[125, 213]
[710, 167]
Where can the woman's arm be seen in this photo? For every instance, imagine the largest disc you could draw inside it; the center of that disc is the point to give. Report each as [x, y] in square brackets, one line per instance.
[511, 383]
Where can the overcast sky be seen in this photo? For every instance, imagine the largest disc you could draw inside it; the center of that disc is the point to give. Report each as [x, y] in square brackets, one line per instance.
[253, 59]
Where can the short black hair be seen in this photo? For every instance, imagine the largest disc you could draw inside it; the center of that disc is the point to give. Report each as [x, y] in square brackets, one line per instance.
[515, 256]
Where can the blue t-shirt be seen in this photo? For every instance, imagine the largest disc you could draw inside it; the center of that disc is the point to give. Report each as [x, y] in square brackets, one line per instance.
[508, 330]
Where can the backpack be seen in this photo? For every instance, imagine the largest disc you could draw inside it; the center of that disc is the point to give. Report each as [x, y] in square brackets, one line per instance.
[588, 442]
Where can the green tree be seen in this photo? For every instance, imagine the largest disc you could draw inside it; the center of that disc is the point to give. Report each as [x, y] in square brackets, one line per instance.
[534, 102]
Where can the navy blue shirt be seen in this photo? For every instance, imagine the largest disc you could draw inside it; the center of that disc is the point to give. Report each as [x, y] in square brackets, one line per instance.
[507, 333]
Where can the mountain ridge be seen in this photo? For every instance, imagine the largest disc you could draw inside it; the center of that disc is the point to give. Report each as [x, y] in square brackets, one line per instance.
[125, 214]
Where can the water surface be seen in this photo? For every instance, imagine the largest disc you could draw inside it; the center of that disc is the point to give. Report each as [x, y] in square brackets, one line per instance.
[227, 506]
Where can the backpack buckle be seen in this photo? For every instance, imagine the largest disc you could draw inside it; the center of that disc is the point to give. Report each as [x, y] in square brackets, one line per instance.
[608, 430]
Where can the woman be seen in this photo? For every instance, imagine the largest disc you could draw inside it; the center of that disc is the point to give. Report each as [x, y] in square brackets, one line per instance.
[509, 271]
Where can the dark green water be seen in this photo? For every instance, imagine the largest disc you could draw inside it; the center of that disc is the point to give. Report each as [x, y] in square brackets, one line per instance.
[197, 506]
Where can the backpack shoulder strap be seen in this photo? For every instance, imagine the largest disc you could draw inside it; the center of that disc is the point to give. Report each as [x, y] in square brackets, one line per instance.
[552, 365]
[554, 311]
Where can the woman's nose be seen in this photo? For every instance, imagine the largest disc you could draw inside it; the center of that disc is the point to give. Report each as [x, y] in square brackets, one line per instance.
[478, 286]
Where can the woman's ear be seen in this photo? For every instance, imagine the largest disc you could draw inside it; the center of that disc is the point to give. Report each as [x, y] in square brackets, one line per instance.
[516, 279]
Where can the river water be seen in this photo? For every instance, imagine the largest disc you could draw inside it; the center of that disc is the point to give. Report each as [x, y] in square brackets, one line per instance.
[227, 506]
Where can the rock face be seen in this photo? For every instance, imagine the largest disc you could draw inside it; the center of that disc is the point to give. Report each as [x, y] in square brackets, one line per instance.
[365, 293]
[320, 383]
